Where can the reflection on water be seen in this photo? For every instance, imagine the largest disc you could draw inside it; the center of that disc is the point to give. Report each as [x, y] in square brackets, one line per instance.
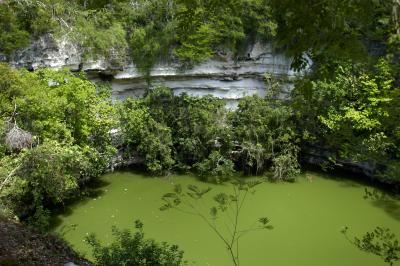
[381, 199]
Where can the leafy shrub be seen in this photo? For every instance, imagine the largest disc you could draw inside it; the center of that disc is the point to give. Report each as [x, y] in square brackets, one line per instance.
[48, 174]
[381, 242]
[352, 110]
[135, 250]
[263, 130]
[12, 35]
[70, 124]
[145, 137]
[197, 123]
[167, 130]
[215, 168]
[285, 166]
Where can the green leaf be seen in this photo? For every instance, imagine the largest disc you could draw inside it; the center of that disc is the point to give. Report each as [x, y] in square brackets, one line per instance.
[178, 189]
[213, 212]
[170, 195]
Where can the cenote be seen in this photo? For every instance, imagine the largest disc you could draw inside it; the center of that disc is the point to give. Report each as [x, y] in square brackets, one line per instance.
[308, 216]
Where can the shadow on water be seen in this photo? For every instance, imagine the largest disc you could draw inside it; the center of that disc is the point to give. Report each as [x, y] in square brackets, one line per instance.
[390, 203]
[350, 179]
[94, 189]
[390, 206]
[136, 170]
[143, 173]
[343, 178]
[381, 197]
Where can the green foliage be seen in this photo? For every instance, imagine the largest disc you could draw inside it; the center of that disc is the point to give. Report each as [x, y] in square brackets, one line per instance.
[11, 87]
[99, 34]
[40, 220]
[135, 250]
[12, 35]
[198, 46]
[154, 30]
[179, 131]
[151, 28]
[285, 166]
[60, 106]
[43, 16]
[331, 29]
[148, 138]
[70, 123]
[197, 124]
[197, 134]
[205, 27]
[156, 146]
[257, 19]
[222, 217]
[266, 137]
[215, 168]
[380, 242]
[195, 30]
[48, 174]
[94, 4]
[352, 110]
[3, 130]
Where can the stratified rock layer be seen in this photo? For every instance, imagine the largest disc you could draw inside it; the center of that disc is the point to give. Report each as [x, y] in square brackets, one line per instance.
[222, 77]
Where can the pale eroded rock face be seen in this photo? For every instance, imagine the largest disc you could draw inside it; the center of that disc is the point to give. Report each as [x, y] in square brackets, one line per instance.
[47, 52]
[223, 78]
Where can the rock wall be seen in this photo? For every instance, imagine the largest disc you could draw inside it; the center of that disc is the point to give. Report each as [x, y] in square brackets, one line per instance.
[222, 77]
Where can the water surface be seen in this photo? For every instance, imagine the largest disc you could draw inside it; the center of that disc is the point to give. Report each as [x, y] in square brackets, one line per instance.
[307, 215]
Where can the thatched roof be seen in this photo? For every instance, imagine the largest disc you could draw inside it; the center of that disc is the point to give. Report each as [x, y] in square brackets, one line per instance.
[17, 138]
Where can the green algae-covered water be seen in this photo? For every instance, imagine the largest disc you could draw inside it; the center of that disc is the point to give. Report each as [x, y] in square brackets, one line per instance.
[307, 216]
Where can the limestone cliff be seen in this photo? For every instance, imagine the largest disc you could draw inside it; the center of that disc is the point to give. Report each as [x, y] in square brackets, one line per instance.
[222, 77]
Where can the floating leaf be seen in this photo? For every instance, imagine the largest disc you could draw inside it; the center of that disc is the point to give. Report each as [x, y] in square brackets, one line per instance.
[204, 191]
[165, 207]
[232, 198]
[213, 212]
[264, 220]
[178, 189]
[223, 200]
[344, 230]
[193, 188]
[192, 195]
[253, 183]
[170, 195]
[177, 201]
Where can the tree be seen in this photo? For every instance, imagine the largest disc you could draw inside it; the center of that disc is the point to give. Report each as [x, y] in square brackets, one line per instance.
[197, 125]
[55, 137]
[99, 34]
[228, 205]
[351, 108]
[48, 174]
[216, 168]
[144, 136]
[12, 35]
[134, 250]
[265, 136]
[59, 105]
[380, 242]
[150, 28]
[323, 30]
